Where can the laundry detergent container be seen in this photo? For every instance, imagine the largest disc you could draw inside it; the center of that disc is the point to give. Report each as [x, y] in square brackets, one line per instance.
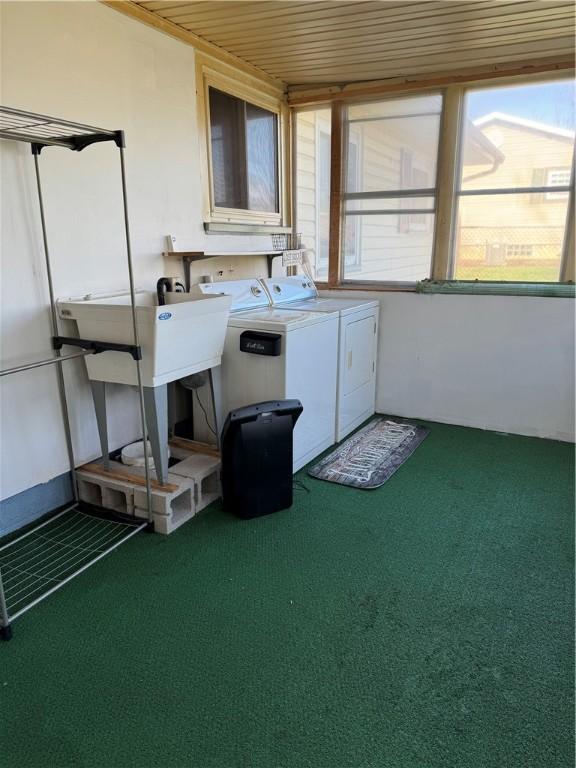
[180, 338]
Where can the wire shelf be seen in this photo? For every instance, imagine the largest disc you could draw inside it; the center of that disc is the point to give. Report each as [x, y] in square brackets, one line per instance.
[41, 561]
[33, 128]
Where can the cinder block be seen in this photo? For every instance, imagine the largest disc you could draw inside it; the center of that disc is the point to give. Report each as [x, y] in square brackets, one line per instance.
[197, 484]
[118, 499]
[205, 470]
[169, 502]
[166, 524]
[141, 512]
[197, 465]
[89, 490]
[209, 489]
[112, 494]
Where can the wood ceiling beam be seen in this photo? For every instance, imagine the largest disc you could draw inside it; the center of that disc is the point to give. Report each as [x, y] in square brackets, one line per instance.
[320, 93]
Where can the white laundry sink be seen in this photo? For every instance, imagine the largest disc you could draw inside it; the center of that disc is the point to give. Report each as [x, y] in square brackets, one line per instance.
[183, 337]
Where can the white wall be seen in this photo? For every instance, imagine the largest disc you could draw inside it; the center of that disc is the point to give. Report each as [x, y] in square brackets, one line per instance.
[504, 363]
[87, 63]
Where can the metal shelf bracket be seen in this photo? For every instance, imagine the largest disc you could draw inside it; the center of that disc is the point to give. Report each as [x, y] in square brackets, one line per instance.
[97, 346]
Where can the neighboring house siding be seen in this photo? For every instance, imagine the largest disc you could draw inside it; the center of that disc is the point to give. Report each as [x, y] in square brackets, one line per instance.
[307, 187]
[391, 247]
[515, 228]
[306, 180]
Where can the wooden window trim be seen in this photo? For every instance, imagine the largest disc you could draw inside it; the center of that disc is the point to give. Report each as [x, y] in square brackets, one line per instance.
[447, 174]
[337, 162]
[213, 73]
[568, 268]
[447, 181]
[353, 92]
[338, 170]
[369, 286]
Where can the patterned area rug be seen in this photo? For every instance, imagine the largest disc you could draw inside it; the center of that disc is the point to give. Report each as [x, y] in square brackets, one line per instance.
[372, 455]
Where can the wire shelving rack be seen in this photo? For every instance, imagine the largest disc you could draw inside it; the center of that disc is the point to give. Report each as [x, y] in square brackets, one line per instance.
[43, 576]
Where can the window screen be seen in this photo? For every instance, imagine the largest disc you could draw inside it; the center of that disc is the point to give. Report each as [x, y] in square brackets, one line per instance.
[390, 189]
[244, 144]
[515, 165]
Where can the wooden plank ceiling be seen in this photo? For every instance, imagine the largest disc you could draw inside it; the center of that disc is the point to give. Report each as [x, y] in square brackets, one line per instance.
[343, 42]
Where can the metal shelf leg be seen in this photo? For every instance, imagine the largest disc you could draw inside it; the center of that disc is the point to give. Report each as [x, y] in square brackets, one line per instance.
[5, 628]
[156, 407]
[99, 397]
[55, 332]
[215, 384]
[135, 329]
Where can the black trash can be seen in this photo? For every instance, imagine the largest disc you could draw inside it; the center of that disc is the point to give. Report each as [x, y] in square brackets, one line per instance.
[257, 458]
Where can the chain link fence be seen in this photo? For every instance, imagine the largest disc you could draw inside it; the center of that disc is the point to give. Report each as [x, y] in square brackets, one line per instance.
[494, 245]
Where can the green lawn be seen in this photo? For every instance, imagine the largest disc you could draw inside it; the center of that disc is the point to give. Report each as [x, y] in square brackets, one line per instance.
[537, 273]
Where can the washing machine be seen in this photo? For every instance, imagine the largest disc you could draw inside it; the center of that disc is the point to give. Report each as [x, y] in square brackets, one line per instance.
[271, 353]
[357, 344]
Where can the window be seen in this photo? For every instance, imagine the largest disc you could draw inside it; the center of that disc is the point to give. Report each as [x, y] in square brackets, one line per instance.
[418, 179]
[558, 178]
[351, 234]
[322, 201]
[390, 189]
[312, 160]
[512, 197]
[489, 197]
[244, 124]
[312, 186]
[244, 143]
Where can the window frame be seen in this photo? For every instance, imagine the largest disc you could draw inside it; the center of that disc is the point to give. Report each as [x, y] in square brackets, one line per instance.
[327, 126]
[447, 181]
[457, 192]
[211, 73]
[385, 194]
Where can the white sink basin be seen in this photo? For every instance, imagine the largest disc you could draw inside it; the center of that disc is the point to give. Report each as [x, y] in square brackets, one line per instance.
[183, 337]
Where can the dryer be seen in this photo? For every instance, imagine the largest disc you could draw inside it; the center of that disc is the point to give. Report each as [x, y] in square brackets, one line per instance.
[357, 344]
[274, 354]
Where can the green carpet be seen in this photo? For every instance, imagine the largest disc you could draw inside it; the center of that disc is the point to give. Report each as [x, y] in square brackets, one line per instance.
[424, 624]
